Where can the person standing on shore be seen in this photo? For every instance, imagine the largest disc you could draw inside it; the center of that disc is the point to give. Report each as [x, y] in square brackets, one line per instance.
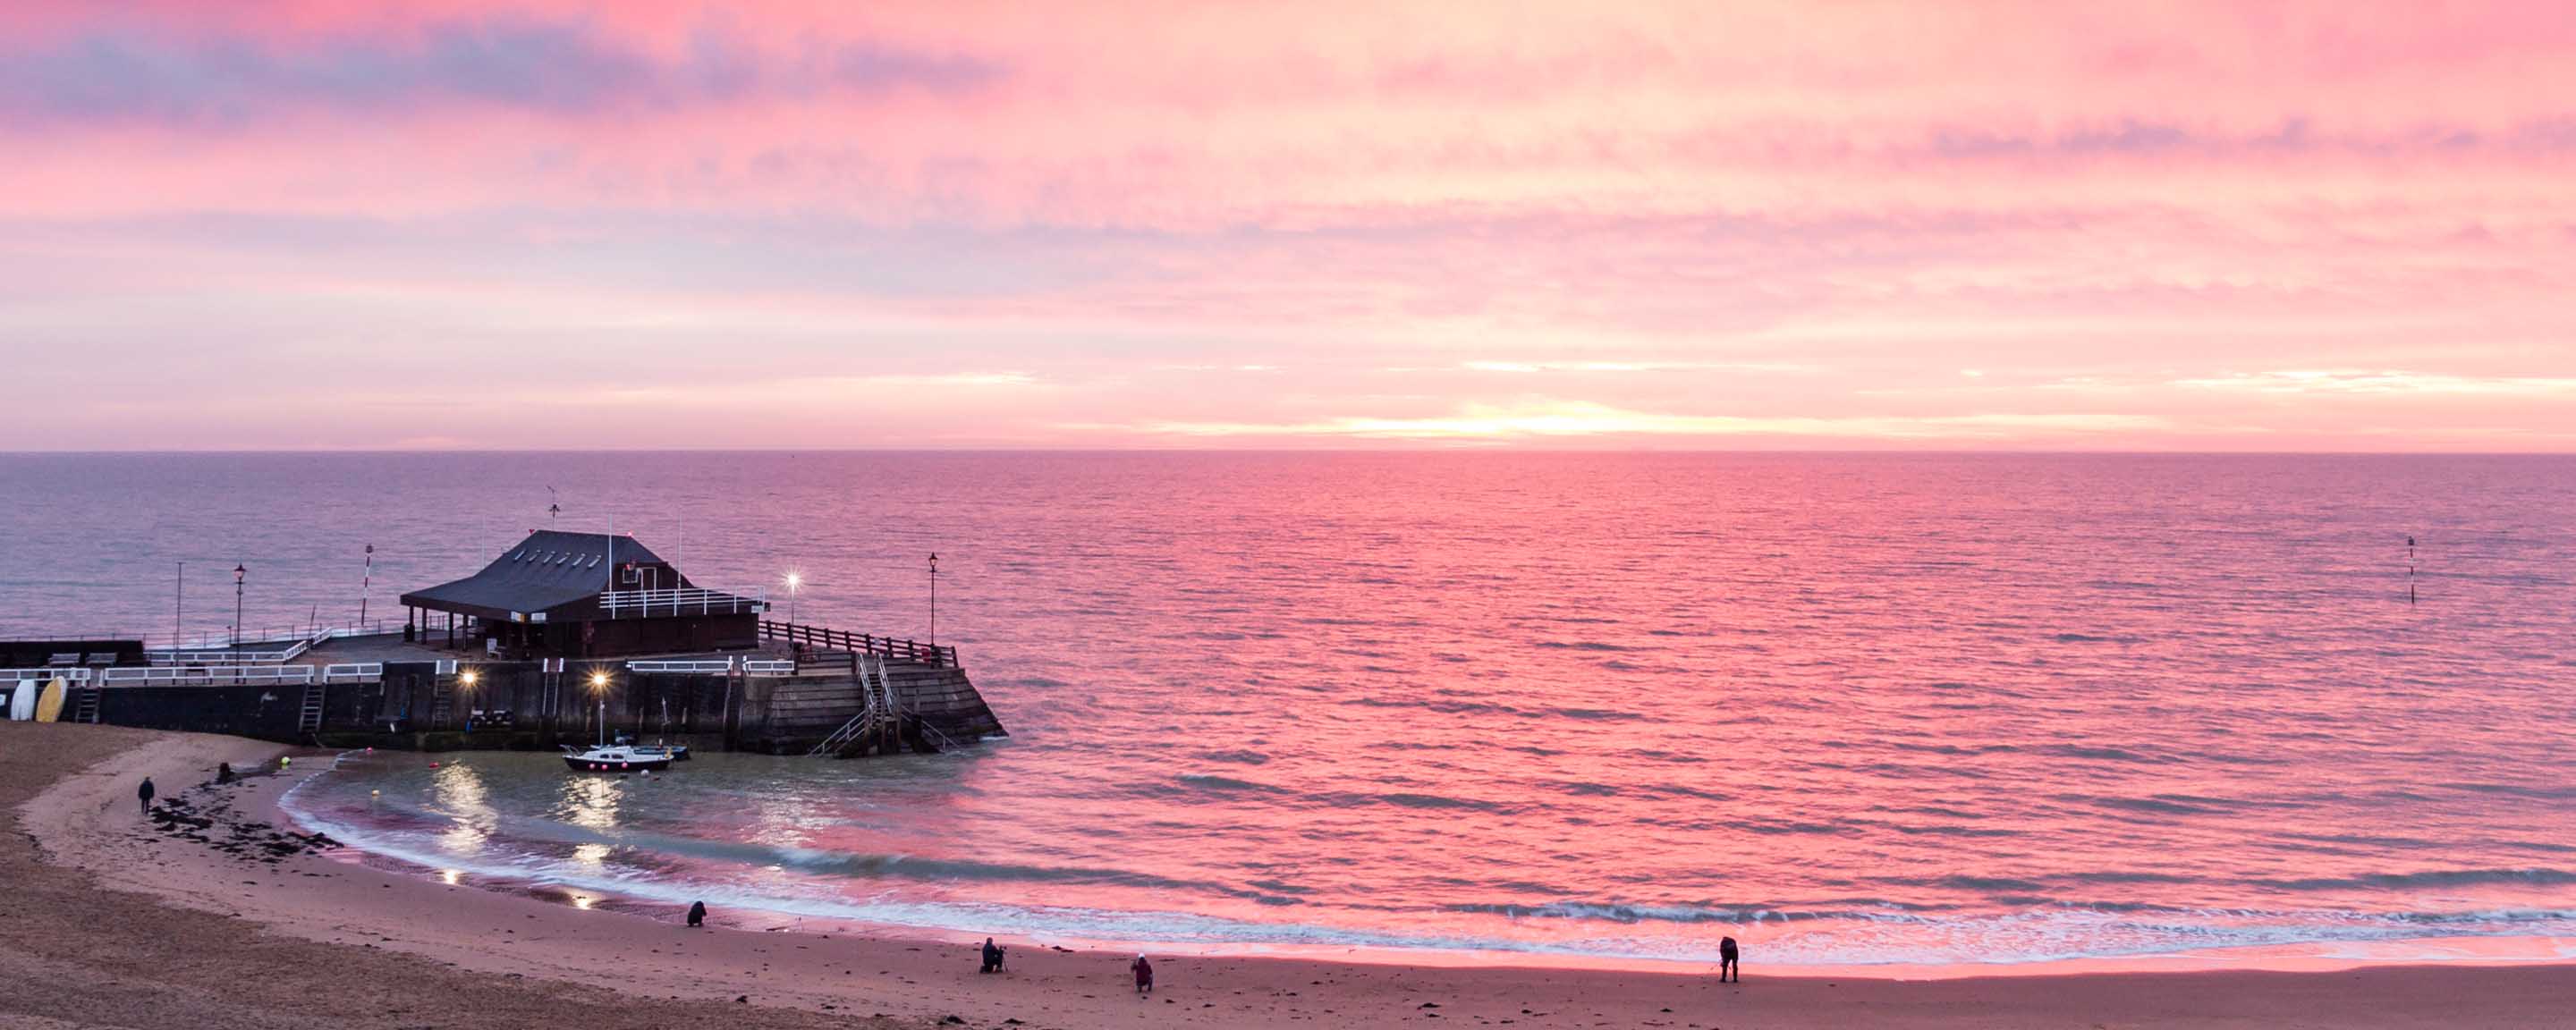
[1726, 966]
[144, 792]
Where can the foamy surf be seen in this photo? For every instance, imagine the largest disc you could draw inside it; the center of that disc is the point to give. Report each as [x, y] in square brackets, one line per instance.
[804, 883]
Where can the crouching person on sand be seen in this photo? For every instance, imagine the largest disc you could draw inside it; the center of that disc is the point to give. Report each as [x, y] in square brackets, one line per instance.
[992, 957]
[1144, 975]
[697, 913]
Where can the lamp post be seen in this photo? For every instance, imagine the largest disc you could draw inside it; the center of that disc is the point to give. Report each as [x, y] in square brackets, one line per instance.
[794, 580]
[465, 685]
[599, 689]
[238, 573]
[934, 603]
[366, 585]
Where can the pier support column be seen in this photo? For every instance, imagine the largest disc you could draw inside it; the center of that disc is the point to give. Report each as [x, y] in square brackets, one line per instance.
[731, 721]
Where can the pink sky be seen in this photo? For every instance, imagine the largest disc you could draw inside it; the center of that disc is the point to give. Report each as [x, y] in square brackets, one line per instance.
[2280, 226]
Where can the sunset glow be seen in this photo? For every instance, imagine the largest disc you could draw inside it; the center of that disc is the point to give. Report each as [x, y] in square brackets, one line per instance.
[2296, 226]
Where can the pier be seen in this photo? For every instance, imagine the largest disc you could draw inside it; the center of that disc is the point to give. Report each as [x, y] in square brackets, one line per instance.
[530, 654]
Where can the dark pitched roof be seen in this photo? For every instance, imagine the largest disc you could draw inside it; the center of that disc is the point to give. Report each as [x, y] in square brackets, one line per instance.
[547, 571]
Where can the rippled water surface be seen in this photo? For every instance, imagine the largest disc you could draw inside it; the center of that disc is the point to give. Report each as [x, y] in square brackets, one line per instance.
[1846, 708]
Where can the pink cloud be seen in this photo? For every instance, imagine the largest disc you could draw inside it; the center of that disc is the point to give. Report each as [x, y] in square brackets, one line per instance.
[1096, 198]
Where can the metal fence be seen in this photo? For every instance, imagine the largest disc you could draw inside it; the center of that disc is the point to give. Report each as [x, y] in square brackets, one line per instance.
[204, 675]
[70, 674]
[636, 604]
[267, 647]
[714, 666]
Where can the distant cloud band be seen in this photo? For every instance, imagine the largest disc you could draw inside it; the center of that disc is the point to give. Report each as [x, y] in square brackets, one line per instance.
[563, 67]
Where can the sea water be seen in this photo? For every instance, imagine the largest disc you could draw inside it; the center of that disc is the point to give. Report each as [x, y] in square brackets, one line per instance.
[1849, 709]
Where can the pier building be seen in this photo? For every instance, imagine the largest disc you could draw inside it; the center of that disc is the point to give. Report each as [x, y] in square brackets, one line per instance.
[532, 652]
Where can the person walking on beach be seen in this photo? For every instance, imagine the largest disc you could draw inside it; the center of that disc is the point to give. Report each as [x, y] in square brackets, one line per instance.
[1144, 975]
[145, 793]
[697, 913]
[1726, 966]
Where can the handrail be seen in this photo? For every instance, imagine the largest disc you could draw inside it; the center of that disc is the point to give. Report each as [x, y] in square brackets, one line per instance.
[714, 666]
[214, 650]
[225, 657]
[880, 706]
[69, 673]
[944, 656]
[639, 604]
[203, 676]
[681, 665]
[308, 635]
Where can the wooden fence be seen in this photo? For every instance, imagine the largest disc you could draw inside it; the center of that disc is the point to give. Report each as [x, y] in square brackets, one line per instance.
[860, 643]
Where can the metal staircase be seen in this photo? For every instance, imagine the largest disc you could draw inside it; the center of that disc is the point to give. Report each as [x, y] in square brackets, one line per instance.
[442, 695]
[308, 720]
[879, 714]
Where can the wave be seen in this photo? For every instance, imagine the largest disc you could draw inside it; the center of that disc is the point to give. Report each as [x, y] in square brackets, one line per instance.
[1609, 912]
[2429, 878]
[1595, 713]
[1403, 799]
[1997, 919]
[844, 864]
[1227, 784]
[1833, 936]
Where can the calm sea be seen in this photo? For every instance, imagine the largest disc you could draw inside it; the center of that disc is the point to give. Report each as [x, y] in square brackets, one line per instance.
[1847, 708]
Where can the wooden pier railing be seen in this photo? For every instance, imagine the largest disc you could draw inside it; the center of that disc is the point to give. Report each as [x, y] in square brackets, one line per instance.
[860, 643]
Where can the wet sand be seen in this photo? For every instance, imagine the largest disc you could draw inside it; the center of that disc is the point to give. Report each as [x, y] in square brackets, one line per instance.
[220, 914]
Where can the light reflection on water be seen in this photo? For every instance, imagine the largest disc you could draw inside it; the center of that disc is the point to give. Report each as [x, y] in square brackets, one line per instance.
[458, 791]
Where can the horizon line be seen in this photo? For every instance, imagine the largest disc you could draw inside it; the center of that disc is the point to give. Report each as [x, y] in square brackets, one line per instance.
[1500, 449]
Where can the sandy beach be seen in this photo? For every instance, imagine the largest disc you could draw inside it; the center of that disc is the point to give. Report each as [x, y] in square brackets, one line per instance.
[220, 914]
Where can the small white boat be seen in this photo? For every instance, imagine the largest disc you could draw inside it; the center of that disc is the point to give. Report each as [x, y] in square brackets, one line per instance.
[619, 758]
[624, 755]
